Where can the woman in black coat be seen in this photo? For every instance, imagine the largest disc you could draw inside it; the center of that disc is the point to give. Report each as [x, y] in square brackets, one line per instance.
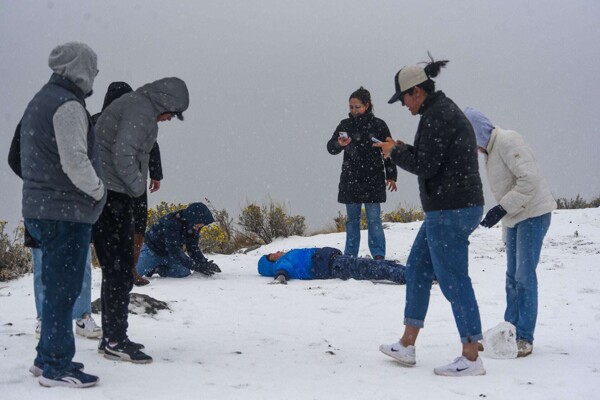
[364, 172]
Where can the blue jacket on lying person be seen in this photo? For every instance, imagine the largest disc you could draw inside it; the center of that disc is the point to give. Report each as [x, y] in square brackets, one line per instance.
[327, 263]
[163, 252]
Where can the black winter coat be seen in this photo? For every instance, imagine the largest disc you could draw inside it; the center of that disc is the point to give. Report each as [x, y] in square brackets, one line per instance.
[14, 161]
[444, 157]
[364, 171]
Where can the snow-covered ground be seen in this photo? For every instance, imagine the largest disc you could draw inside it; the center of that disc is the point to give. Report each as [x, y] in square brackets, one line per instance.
[236, 337]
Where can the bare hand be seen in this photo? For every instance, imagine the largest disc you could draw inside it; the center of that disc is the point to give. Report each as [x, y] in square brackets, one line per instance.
[387, 146]
[344, 142]
[154, 185]
[391, 184]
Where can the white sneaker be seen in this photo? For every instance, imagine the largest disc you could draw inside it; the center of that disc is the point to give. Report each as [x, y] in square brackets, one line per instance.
[38, 329]
[404, 355]
[87, 327]
[461, 366]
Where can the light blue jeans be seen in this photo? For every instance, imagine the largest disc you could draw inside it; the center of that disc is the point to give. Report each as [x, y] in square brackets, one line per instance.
[375, 229]
[168, 266]
[523, 247]
[83, 304]
[441, 251]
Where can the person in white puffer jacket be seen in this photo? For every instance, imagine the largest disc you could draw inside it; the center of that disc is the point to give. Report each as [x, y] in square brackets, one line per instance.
[524, 205]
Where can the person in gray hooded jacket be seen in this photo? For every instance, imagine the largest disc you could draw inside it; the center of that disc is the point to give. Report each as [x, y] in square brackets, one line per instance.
[63, 196]
[127, 131]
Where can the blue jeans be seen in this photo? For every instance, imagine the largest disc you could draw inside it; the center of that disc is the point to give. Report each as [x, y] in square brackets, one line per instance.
[441, 251]
[168, 266]
[523, 247]
[65, 246]
[83, 304]
[375, 229]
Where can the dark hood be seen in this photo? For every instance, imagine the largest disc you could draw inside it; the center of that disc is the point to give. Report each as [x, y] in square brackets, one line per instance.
[197, 213]
[115, 90]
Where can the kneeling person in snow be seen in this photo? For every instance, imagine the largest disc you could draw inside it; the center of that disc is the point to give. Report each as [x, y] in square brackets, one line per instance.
[163, 252]
[327, 263]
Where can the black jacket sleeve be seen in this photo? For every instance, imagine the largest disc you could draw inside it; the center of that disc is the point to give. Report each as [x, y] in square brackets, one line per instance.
[333, 147]
[14, 161]
[425, 158]
[155, 163]
[391, 172]
[14, 154]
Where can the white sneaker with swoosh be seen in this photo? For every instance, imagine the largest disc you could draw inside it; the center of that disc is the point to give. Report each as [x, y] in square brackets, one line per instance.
[461, 366]
[404, 355]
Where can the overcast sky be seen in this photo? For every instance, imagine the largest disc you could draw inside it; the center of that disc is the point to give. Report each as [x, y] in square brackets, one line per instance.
[269, 81]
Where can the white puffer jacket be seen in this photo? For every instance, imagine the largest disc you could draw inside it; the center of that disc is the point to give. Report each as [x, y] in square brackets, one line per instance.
[515, 178]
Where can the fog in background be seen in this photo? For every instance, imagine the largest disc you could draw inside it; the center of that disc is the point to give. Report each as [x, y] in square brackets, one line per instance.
[269, 81]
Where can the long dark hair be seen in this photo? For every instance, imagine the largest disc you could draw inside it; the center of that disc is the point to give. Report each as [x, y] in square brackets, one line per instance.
[432, 69]
[363, 95]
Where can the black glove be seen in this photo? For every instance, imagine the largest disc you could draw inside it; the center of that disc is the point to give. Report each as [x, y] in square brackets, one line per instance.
[206, 267]
[493, 216]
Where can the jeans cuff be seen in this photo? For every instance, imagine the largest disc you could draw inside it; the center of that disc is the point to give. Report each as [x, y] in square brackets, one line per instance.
[415, 323]
[472, 338]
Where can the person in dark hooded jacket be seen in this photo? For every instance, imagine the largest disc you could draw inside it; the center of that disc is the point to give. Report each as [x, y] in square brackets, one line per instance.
[163, 249]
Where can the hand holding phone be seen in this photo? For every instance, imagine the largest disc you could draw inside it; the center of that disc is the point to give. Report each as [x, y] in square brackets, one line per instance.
[344, 135]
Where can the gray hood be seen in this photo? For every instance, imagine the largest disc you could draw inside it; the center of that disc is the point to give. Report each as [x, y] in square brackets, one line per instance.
[76, 62]
[167, 95]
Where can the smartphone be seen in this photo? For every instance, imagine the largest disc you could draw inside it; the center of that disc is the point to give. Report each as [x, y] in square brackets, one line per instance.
[374, 139]
[343, 135]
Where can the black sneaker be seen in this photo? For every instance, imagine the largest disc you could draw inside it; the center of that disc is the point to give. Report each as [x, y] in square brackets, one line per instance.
[73, 378]
[126, 351]
[103, 341]
[37, 369]
[150, 273]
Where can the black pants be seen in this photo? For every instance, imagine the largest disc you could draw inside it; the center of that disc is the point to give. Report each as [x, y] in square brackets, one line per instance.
[348, 267]
[112, 235]
[140, 213]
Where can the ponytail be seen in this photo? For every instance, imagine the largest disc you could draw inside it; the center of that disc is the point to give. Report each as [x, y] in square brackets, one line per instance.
[432, 70]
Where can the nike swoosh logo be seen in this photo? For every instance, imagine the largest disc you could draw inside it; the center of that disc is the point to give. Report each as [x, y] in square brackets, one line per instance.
[393, 349]
[461, 369]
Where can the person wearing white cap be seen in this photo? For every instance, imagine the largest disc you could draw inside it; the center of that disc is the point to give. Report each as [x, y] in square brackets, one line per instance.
[525, 206]
[444, 158]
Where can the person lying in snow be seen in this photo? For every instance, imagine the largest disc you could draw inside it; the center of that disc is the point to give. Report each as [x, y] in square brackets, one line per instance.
[327, 263]
[162, 251]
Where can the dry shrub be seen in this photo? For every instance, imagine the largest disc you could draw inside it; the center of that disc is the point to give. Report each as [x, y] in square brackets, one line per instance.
[262, 224]
[577, 203]
[401, 214]
[15, 258]
[404, 215]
